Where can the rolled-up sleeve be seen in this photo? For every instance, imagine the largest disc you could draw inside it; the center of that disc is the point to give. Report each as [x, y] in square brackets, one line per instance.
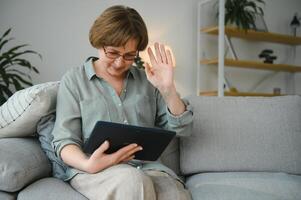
[67, 128]
[183, 119]
[181, 124]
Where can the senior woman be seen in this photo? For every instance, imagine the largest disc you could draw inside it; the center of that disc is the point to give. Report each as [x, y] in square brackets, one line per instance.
[110, 88]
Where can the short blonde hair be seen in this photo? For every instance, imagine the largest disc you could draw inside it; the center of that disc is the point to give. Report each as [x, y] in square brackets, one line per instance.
[116, 25]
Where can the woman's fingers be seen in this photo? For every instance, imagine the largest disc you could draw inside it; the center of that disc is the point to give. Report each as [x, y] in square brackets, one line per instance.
[130, 153]
[152, 57]
[158, 53]
[102, 160]
[126, 151]
[163, 54]
[169, 58]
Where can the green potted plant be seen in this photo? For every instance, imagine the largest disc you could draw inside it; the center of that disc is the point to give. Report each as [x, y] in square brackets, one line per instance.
[139, 62]
[14, 69]
[243, 13]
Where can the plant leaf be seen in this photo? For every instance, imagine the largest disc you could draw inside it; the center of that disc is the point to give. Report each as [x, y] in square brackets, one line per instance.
[10, 59]
[11, 78]
[6, 91]
[17, 72]
[15, 48]
[5, 34]
[16, 76]
[35, 70]
[2, 43]
[4, 77]
[17, 85]
[242, 12]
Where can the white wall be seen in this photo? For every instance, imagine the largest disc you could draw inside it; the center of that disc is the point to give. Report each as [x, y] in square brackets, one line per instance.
[58, 29]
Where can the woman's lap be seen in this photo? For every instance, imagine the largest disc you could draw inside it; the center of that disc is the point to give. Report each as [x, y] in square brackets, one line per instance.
[126, 182]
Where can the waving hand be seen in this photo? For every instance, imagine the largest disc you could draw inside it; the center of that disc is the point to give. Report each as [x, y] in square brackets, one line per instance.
[160, 73]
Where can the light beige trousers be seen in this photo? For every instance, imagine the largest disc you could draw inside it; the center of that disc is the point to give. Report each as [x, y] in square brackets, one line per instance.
[124, 182]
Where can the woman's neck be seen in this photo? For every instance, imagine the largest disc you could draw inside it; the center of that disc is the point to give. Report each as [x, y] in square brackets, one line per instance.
[100, 71]
[115, 81]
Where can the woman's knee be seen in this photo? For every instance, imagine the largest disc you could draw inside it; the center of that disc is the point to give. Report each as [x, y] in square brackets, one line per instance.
[133, 176]
[135, 182]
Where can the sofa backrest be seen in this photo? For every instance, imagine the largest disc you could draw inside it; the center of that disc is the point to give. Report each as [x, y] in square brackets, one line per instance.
[243, 134]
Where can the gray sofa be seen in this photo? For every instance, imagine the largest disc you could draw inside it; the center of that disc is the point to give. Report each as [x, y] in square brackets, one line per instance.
[240, 148]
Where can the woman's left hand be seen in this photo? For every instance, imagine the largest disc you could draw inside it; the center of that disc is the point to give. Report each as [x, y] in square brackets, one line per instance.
[160, 74]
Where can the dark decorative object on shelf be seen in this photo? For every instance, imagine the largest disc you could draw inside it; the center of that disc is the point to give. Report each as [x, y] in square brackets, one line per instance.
[139, 63]
[295, 23]
[276, 91]
[267, 55]
[13, 74]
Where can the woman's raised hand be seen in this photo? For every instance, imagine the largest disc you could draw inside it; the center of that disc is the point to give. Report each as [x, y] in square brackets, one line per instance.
[161, 76]
[160, 73]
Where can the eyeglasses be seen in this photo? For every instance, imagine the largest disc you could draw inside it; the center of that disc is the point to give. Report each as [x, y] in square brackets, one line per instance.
[115, 55]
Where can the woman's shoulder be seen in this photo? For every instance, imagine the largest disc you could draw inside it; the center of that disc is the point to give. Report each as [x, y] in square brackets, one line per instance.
[83, 72]
[73, 74]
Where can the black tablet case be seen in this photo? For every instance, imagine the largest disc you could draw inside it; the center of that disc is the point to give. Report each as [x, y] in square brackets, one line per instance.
[153, 140]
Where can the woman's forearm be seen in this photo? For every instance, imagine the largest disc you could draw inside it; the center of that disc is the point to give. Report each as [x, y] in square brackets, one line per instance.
[173, 101]
[73, 156]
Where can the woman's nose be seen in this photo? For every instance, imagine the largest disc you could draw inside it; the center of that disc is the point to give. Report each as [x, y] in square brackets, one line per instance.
[119, 61]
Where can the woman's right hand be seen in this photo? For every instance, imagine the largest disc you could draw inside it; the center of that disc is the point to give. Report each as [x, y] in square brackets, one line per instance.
[99, 160]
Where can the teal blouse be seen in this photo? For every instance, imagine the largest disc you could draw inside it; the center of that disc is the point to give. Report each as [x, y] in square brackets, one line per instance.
[83, 99]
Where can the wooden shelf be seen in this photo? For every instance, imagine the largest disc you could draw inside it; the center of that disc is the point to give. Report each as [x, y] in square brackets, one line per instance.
[254, 65]
[255, 35]
[229, 93]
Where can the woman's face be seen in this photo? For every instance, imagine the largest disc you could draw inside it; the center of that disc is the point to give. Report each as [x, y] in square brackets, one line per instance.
[117, 60]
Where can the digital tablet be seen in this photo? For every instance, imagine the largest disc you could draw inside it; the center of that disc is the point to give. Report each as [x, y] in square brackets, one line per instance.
[153, 140]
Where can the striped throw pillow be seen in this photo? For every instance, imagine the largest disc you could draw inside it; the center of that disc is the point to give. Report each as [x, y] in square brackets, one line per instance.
[20, 114]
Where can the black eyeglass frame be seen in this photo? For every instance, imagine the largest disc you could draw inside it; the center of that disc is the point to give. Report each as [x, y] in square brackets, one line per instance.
[116, 55]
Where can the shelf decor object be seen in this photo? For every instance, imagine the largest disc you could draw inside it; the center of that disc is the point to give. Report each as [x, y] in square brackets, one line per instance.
[295, 23]
[268, 56]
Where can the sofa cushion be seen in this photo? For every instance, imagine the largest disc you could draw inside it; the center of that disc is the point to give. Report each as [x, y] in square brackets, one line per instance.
[49, 189]
[22, 161]
[7, 196]
[243, 134]
[244, 185]
[20, 114]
